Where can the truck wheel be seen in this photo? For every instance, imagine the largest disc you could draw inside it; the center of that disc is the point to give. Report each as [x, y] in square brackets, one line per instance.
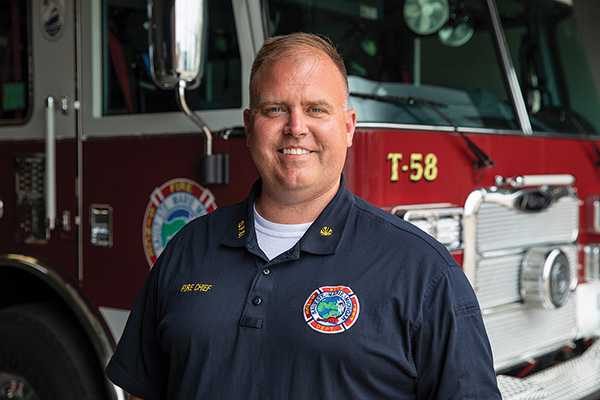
[44, 356]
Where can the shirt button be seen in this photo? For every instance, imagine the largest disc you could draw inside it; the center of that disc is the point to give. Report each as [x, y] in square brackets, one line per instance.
[266, 271]
[257, 300]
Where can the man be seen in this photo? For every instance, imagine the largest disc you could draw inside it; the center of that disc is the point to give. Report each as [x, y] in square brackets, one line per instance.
[305, 291]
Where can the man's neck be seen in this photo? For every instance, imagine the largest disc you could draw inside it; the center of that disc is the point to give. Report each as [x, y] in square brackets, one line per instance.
[277, 208]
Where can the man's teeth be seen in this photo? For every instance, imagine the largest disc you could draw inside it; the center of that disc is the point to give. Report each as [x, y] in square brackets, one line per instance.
[295, 151]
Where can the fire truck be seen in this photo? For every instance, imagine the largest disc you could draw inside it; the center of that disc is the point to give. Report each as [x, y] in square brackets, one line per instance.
[121, 121]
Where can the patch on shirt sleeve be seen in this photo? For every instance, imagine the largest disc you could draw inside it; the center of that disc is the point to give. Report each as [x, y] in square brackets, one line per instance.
[331, 309]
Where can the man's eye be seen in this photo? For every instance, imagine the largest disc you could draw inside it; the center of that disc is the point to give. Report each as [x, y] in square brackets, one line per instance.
[274, 109]
[316, 110]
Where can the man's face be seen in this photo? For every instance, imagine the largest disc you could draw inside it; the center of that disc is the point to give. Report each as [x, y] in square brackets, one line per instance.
[300, 128]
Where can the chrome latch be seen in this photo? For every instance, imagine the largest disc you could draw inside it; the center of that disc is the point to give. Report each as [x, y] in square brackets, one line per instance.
[101, 226]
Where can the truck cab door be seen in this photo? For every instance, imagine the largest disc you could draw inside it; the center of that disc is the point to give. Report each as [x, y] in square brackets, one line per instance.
[140, 153]
[40, 137]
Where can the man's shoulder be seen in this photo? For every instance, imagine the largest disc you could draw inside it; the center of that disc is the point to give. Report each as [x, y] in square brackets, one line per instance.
[386, 221]
[394, 229]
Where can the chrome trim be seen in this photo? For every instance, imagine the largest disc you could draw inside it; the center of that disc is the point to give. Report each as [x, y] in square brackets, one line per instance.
[502, 308]
[486, 131]
[50, 173]
[520, 304]
[177, 42]
[433, 212]
[435, 128]
[596, 215]
[575, 378]
[422, 207]
[509, 69]
[74, 299]
[535, 180]
[505, 197]
[433, 217]
[497, 238]
[537, 271]
[473, 203]
[193, 116]
[64, 103]
[101, 225]
[396, 126]
[593, 214]
[504, 252]
[591, 262]
[490, 131]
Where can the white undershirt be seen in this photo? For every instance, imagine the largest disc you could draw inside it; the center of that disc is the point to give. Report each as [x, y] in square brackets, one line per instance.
[273, 238]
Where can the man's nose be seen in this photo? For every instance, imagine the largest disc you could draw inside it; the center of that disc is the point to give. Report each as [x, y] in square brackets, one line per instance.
[296, 124]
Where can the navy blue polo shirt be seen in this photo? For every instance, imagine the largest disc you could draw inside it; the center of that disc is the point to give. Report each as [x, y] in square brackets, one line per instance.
[364, 306]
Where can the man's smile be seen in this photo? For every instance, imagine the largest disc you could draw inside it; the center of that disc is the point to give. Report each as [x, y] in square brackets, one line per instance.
[294, 151]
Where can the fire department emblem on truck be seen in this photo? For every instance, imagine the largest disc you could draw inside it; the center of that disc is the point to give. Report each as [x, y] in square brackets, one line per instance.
[331, 309]
[170, 208]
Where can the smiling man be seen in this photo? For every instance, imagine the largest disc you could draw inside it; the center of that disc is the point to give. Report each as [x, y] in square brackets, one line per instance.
[309, 291]
[298, 128]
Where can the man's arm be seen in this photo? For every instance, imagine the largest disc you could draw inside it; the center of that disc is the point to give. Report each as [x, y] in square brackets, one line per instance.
[451, 348]
[134, 398]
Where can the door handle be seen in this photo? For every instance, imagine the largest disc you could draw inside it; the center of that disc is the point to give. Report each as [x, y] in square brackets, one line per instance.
[50, 166]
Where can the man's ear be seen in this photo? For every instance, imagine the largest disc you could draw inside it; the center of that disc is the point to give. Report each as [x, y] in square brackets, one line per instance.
[350, 126]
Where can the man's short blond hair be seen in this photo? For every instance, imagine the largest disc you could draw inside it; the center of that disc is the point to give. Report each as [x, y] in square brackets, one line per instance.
[284, 46]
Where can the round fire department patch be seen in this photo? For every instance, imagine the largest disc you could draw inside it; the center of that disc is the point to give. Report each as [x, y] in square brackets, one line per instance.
[170, 208]
[331, 309]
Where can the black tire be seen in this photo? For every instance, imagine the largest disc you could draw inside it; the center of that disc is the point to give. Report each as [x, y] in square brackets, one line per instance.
[45, 354]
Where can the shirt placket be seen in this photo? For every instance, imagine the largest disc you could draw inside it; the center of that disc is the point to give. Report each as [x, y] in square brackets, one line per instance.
[261, 290]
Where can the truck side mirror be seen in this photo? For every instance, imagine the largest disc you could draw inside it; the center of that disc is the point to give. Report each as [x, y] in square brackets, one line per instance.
[177, 38]
[177, 35]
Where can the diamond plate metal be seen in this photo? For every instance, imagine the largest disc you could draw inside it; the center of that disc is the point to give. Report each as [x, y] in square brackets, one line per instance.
[570, 380]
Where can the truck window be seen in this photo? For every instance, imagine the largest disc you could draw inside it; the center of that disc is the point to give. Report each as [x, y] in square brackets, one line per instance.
[548, 55]
[127, 85]
[15, 77]
[400, 70]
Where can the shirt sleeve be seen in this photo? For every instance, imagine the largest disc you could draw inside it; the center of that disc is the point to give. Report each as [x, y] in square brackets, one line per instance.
[139, 364]
[451, 349]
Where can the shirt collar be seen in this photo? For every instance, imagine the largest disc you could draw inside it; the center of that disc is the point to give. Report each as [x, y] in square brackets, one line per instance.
[323, 236]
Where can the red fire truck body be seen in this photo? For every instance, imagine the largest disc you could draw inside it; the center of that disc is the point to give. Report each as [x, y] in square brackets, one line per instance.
[479, 125]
